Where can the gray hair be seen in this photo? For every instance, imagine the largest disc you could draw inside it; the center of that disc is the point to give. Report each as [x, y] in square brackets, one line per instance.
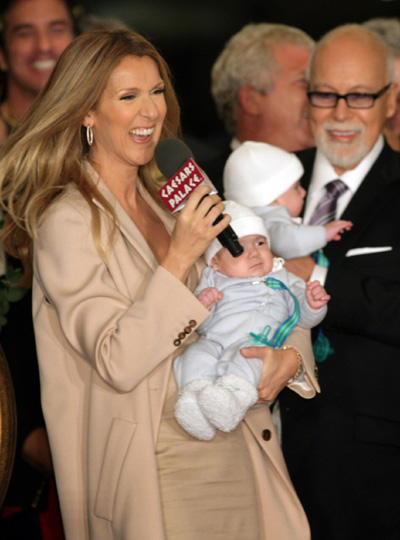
[247, 58]
[363, 33]
[389, 30]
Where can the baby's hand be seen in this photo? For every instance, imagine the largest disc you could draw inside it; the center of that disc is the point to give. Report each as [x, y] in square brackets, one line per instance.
[335, 228]
[209, 297]
[316, 295]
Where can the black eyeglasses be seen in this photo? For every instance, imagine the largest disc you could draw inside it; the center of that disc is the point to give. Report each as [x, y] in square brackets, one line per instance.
[354, 100]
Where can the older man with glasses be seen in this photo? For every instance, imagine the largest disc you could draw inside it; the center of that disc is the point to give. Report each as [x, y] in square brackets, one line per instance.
[347, 439]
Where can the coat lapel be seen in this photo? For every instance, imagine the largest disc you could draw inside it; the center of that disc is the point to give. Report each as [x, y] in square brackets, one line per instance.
[128, 228]
[158, 380]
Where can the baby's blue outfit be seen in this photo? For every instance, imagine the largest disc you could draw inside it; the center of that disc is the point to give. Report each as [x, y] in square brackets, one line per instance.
[288, 237]
[248, 306]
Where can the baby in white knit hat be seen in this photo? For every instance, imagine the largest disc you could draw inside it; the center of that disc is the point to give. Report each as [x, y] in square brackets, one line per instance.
[266, 179]
[253, 301]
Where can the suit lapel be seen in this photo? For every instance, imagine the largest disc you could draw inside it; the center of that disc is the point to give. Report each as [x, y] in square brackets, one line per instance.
[371, 196]
[373, 193]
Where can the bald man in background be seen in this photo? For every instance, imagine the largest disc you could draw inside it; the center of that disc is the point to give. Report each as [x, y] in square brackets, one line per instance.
[343, 447]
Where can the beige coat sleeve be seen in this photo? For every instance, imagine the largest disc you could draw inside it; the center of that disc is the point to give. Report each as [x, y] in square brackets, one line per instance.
[122, 316]
[300, 338]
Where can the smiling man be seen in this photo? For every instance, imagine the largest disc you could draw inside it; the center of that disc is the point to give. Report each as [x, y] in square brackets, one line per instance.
[343, 447]
[33, 34]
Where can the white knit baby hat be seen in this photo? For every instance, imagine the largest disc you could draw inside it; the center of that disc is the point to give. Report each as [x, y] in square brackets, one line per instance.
[244, 222]
[257, 173]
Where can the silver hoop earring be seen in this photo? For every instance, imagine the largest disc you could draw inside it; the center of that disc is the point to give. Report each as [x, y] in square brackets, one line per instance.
[89, 135]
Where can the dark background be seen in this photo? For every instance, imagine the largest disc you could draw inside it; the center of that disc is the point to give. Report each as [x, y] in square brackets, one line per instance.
[190, 35]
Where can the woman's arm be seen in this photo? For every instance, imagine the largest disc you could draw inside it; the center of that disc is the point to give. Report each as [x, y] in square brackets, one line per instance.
[307, 385]
[123, 316]
[194, 230]
[279, 366]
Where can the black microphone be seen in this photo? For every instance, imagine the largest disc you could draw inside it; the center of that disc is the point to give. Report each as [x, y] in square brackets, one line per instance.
[175, 161]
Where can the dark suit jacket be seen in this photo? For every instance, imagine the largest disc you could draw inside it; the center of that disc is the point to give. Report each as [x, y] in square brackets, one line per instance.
[348, 438]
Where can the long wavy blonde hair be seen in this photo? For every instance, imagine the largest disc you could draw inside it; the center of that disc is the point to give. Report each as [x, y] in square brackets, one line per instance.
[48, 148]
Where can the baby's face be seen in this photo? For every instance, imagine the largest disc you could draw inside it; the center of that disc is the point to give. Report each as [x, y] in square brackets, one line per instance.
[293, 199]
[255, 261]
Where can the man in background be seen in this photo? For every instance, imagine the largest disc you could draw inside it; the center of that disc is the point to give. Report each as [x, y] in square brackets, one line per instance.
[33, 34]
[342, 448]
[389, 30]
[260, 90]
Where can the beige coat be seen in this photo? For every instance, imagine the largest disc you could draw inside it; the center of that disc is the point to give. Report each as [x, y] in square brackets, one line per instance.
[105, 336]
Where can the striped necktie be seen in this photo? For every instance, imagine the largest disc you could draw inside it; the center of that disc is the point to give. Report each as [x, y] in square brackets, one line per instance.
[325, 210]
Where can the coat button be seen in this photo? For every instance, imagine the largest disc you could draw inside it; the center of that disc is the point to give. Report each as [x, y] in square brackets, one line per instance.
[187, 329]
[177, 342]
[181, 335]
[266, 434]
[192, 323]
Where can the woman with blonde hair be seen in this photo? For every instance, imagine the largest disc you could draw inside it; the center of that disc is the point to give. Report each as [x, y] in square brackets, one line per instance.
[113, 275]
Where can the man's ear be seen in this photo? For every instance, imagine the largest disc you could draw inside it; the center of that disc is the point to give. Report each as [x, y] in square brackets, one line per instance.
[3, 61]
[392, 100]
[249, 100]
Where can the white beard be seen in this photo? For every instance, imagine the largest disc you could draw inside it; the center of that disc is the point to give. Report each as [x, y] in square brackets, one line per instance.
[341, 154]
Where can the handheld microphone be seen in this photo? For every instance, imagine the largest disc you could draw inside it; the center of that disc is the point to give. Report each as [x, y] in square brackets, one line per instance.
[175, 161]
